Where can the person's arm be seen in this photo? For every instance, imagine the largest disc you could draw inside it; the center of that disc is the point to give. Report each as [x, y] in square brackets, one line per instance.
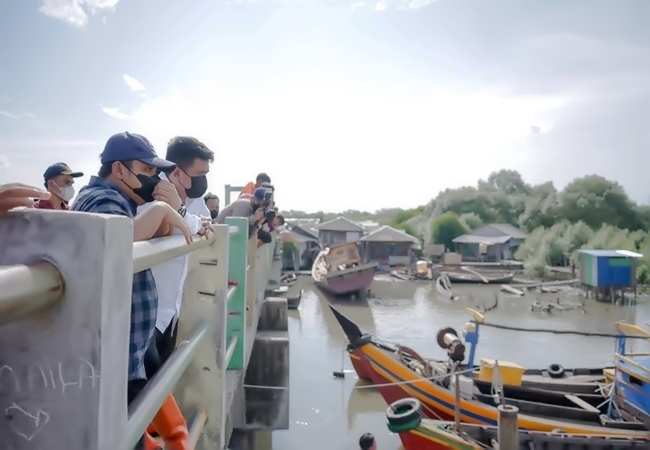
[226, 212]
[147, 223]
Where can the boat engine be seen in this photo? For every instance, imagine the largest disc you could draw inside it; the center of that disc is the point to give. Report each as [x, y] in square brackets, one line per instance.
[448, 339]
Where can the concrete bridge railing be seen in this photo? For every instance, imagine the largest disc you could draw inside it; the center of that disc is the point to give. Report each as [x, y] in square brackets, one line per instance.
[65, 303]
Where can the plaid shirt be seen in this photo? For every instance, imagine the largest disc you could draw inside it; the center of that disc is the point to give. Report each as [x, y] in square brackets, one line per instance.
[102, 196]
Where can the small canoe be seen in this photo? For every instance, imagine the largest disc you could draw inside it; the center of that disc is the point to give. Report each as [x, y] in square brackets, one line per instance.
[467, 277]
[404, 417]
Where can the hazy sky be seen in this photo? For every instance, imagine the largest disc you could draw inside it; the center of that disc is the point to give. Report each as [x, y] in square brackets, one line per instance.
[345, 104]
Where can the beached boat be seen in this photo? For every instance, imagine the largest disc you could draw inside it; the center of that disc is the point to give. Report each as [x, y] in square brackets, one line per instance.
[399, 378]
[339, 270]
[404, 417]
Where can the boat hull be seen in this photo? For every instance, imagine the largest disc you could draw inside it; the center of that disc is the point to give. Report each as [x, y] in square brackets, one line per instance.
[439, 435]
[529, 390]
[349, 281]
[396, 382]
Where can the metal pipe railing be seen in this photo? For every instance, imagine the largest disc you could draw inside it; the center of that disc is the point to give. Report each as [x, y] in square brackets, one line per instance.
[146, 405]
[147, 254]
[26, 289]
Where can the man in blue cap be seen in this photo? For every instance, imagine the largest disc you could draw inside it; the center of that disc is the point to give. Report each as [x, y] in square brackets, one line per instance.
[128, 177]
[59, 180]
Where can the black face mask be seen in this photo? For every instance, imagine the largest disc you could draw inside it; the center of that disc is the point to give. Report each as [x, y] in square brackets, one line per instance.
[145, 192]
[214, 213]
[198, 188]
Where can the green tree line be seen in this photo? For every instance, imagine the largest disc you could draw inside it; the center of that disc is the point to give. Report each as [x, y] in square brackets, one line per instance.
[590, 212]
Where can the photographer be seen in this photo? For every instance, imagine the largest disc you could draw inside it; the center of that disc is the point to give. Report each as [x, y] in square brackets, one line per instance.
[254, 209]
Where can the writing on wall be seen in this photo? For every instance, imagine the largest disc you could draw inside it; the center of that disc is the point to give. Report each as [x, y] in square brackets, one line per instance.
[57, 378]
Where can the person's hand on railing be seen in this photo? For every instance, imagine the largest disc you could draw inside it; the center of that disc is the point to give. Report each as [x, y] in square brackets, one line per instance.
[206, 227]
[176, 221]
[233, 282]
[166, 192]
[14, 195]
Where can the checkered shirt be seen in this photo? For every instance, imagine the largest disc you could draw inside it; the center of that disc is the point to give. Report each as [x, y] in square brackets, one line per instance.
[102, 196]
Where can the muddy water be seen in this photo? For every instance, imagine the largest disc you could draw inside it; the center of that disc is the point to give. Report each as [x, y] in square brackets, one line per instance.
[330, 413]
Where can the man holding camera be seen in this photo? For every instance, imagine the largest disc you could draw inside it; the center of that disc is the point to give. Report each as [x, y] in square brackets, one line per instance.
[254, 208]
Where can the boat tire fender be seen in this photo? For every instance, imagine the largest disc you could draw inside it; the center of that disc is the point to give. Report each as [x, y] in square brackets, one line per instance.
[365, 339]
[555, 371]
[404, 414]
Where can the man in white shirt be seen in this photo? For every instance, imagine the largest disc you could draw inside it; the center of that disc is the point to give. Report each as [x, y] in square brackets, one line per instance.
[184, 189]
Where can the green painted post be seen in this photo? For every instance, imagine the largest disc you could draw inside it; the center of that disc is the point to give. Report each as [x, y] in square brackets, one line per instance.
[237, 269]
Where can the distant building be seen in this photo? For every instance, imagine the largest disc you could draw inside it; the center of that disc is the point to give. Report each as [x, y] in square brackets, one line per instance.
[369, 225]
[493, 242]
[388, 246]
[339, 231]
[607, 274]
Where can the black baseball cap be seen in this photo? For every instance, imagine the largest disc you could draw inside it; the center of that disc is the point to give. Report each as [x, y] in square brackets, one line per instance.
[60, 169]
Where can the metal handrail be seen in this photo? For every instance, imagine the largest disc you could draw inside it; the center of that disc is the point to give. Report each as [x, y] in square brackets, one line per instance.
[26, 289]
[147, 254]
[143, 409]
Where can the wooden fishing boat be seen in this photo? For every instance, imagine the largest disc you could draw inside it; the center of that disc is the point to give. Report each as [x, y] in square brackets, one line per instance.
[534, 385]
[404, 417]
[339, 270]
[632, 378]
[397, 378]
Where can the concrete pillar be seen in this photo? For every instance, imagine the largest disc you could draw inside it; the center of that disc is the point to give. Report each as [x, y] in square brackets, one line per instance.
[269, 367]
[204, 295]
[57, 367]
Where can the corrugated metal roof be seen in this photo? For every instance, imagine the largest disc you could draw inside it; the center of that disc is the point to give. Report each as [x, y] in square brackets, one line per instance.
[340, 224]
[389, 234]
[612, 253]
[499, 229]
[489, 240]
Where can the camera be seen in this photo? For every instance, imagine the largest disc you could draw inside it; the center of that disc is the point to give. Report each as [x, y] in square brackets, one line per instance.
[269, 214]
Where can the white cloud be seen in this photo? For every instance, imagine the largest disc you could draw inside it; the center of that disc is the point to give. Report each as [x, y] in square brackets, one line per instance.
[115, 113]
[75, 12]
[407, 136]
[4, 162]
[134, 84]
[11, 115]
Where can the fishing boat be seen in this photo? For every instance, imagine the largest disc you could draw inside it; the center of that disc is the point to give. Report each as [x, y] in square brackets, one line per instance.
[404, 417]
[632, 377]
[534, 384]
[397, 378]
[339, 270]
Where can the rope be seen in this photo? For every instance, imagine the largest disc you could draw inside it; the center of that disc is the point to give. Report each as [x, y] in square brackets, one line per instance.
[497, 385]
[397, 383]
[547, 330]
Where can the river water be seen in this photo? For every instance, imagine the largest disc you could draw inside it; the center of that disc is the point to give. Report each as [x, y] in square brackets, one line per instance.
[331, 413]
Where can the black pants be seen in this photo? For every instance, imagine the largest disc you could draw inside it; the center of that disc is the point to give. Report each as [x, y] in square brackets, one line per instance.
[160, 349]
[134, 388]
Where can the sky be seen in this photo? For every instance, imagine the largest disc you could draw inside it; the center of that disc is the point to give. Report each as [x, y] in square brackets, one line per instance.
[345, 104]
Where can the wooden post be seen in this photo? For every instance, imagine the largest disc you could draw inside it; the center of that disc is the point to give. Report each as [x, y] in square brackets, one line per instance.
[508, 427]
[457, 394]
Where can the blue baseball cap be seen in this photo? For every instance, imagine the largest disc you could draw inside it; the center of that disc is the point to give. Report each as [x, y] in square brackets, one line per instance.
[260, 193]
[130, 146]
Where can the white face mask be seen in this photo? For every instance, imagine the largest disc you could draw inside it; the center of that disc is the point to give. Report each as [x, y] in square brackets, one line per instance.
[66, 193]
